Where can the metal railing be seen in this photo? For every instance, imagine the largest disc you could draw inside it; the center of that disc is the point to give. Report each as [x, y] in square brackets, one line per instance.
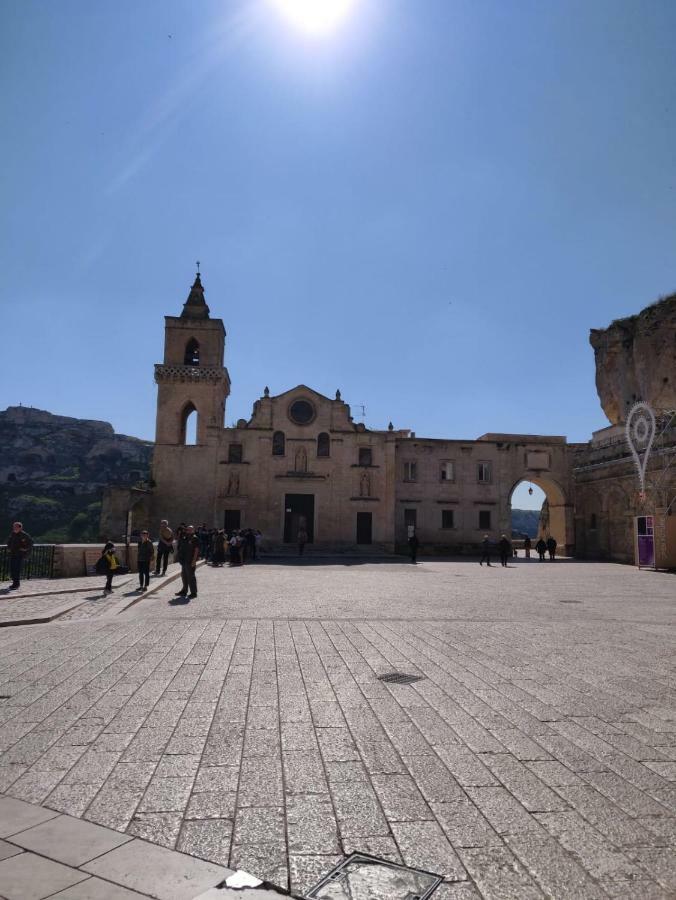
[40, 563]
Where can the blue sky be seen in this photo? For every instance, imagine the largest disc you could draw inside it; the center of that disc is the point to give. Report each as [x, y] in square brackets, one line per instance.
[428, 208]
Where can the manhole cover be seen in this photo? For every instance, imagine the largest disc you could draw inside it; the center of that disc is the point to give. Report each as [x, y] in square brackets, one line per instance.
[364, 877]
[399, 678]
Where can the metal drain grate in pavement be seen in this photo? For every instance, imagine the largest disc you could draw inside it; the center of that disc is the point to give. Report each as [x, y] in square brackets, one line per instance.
[400, 678]
[364, 877]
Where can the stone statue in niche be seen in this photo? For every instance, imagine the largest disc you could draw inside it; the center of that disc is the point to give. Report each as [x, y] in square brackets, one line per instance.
[365, 485]
[233, 483]
[301, 460]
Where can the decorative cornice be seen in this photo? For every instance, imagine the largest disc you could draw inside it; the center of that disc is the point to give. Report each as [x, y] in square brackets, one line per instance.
[193, 374]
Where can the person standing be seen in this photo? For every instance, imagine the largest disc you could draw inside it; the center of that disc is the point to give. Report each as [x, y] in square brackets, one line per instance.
[485, 551]
[551, 546]
[218, 556]
[146, 554]
[413, 547]
[505, 551]
[19, 546]
[302, 540]
[188, 553]
[165, 546]
[527, 546]
[541, 548]
[110, 565]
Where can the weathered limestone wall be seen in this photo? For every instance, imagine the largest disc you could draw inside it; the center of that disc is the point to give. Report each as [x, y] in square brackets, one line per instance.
[636, 360]
[512, 458]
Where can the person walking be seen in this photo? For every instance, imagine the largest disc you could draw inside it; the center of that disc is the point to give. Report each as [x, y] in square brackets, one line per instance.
[527, 546]
[541, 548]
[485, 551]
[19, 546]
[165, 546]
[413, 547]
[551, 546]
[188, 553]
[251, 543]
[146, 554]
[505, 550]
[258, 540]
[302, 540]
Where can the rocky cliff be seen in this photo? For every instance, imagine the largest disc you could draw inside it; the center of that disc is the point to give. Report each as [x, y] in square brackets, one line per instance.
[636, 360]
[53, 470]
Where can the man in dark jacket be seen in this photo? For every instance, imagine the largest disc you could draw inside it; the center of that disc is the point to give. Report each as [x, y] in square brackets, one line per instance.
[188, 553]
[413, 547]
[505, 550]
[541, 548]
[485, 551]
[551, 546]
[165, 546]
[19, 546]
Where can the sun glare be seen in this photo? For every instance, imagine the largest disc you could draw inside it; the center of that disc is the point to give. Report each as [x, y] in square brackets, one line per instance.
[314, 16]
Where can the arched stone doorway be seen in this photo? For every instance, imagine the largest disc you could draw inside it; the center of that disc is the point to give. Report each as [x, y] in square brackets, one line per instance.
[557, 520]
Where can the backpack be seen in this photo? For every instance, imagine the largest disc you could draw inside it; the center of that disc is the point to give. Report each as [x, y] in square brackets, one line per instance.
[101, 567]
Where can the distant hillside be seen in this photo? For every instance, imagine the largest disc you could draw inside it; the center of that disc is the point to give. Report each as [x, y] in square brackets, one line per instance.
[525, 521]
[53, 470]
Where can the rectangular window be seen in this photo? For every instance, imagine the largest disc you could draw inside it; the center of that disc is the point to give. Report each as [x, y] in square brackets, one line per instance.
[484, 519]
[365, 456]
[235, 453]
[410, 519]
[410, 471]
[447, 518]
[483, 472]
[447, 471]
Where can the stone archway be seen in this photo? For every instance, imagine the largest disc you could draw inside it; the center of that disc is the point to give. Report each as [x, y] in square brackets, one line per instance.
[561, 524]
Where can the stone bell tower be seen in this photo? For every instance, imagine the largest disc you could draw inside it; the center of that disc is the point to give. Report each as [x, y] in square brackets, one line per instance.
[192, 377]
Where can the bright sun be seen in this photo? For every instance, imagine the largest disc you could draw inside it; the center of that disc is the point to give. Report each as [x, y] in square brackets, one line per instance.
[314, 16]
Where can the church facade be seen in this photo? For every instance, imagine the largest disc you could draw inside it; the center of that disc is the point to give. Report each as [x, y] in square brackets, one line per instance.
[301, 460]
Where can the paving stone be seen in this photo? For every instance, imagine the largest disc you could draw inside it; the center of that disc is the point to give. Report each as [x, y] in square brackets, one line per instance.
[166, 795]
[208, 839]
[68, 840]
[16, 816]
[424, 845]
[268, 861]
[464, 825]
[306, 871]
[552, 868]
[157, 871]
[311, 825]
[498, 874]
[31, 877]
[96, 889]
[7, 850]
[159, 827]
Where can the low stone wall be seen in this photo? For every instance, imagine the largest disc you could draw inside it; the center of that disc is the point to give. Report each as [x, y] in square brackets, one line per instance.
[71, 560]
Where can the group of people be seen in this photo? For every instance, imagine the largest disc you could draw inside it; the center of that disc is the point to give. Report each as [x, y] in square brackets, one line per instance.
[188, 545]
[506, 551]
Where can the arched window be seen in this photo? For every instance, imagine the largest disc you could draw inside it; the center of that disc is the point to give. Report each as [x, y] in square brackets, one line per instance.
[192, 353]
[323, 444]
[278, 443]
[189, 425]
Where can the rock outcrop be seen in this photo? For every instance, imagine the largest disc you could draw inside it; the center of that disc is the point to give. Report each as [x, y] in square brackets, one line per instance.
[636, 360]
[53, 470]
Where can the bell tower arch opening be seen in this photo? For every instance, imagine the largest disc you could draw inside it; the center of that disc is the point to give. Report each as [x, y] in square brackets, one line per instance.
[192, 353]
[189, 425]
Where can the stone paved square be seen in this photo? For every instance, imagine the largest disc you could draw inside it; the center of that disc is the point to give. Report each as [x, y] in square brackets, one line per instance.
[535, 757]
